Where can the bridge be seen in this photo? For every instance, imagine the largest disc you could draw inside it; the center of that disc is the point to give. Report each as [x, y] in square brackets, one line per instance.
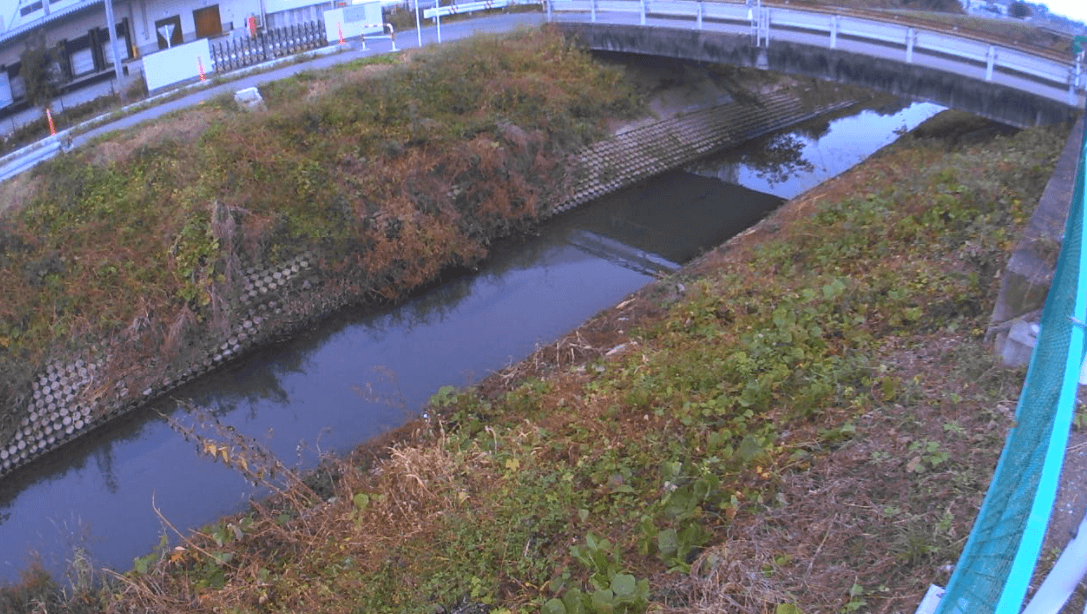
[920, 60]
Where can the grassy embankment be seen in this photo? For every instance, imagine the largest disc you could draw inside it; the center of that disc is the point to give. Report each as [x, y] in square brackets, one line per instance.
[804, 420]
[388, 174]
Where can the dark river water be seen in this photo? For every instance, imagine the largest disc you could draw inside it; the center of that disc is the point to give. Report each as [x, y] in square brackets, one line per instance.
[358, 375]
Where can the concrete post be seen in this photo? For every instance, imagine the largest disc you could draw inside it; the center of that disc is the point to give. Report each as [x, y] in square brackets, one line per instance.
[643, 12]
[419, 27]
[1075, 74]
[911, 35]
[990, 61]
[834, 20]
[592, 9]
[764, 25]
[550, 17]
[700, 9]
[112, 28]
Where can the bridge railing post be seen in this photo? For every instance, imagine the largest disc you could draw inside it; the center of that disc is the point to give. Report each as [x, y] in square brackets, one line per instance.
[990, 62]
[592, 9]
[700, 14]
[1075, 79]
[911, 37]
[764, 26]
[834, 23]
[643, 12]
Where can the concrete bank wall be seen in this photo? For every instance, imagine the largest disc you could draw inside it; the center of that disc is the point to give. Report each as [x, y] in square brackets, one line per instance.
[69, 400]
[641, 153]
[1029, 272]
[72, 399]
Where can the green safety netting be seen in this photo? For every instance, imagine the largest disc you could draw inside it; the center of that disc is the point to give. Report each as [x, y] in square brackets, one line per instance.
[996, 565]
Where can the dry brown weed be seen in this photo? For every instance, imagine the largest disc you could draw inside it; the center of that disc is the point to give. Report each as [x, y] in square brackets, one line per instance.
[17, 192]
[183, 128]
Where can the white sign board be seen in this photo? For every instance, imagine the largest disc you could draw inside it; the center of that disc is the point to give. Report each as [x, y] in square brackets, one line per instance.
[5, 90]
[177, 64]
[166, 31]
[353, 21]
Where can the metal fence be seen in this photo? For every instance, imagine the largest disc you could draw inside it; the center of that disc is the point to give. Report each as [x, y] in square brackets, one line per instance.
[234, 53]
[997, 563]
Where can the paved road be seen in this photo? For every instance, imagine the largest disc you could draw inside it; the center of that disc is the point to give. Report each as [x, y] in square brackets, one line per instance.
[285, 67]
[353, 51]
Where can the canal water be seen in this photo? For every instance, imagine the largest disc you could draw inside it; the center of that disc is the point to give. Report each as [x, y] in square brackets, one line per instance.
[358, 375]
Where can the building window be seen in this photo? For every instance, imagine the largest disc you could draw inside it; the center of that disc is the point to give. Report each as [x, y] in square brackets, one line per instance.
[18, 87]
[30, 8]
[169, 32]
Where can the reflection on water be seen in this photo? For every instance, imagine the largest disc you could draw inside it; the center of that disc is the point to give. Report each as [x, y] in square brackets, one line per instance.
[789, 163]
[357, 375]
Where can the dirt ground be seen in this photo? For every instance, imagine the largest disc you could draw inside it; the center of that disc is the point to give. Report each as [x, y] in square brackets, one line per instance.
[1069, 508]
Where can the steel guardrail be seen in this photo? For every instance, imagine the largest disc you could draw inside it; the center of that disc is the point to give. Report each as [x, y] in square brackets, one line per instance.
[976, 58]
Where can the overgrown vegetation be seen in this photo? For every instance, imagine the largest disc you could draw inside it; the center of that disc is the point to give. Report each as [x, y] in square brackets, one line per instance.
[733, 438]
[387, 174]
[40, 69]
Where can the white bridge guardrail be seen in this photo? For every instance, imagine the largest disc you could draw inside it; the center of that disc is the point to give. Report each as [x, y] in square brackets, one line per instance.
[469, 7]
[1065, 79]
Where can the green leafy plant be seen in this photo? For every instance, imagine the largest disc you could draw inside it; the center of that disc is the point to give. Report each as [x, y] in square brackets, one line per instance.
[682, 510]
[601, 558]
[143, 564]
[1079, 419]
[613, 590]
[927, 454]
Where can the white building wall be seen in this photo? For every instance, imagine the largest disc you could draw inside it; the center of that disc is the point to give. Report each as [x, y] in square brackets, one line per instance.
[144, 14]
[69, 29]
[284, 13]
[298, 16]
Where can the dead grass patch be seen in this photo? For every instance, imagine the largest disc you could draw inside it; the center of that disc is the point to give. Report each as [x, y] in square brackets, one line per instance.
[19, 191]
[181, 127]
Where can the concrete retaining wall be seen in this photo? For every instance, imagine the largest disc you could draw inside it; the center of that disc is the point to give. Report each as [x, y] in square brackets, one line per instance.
[70, 400]
[641, 153]
[1029, 272]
